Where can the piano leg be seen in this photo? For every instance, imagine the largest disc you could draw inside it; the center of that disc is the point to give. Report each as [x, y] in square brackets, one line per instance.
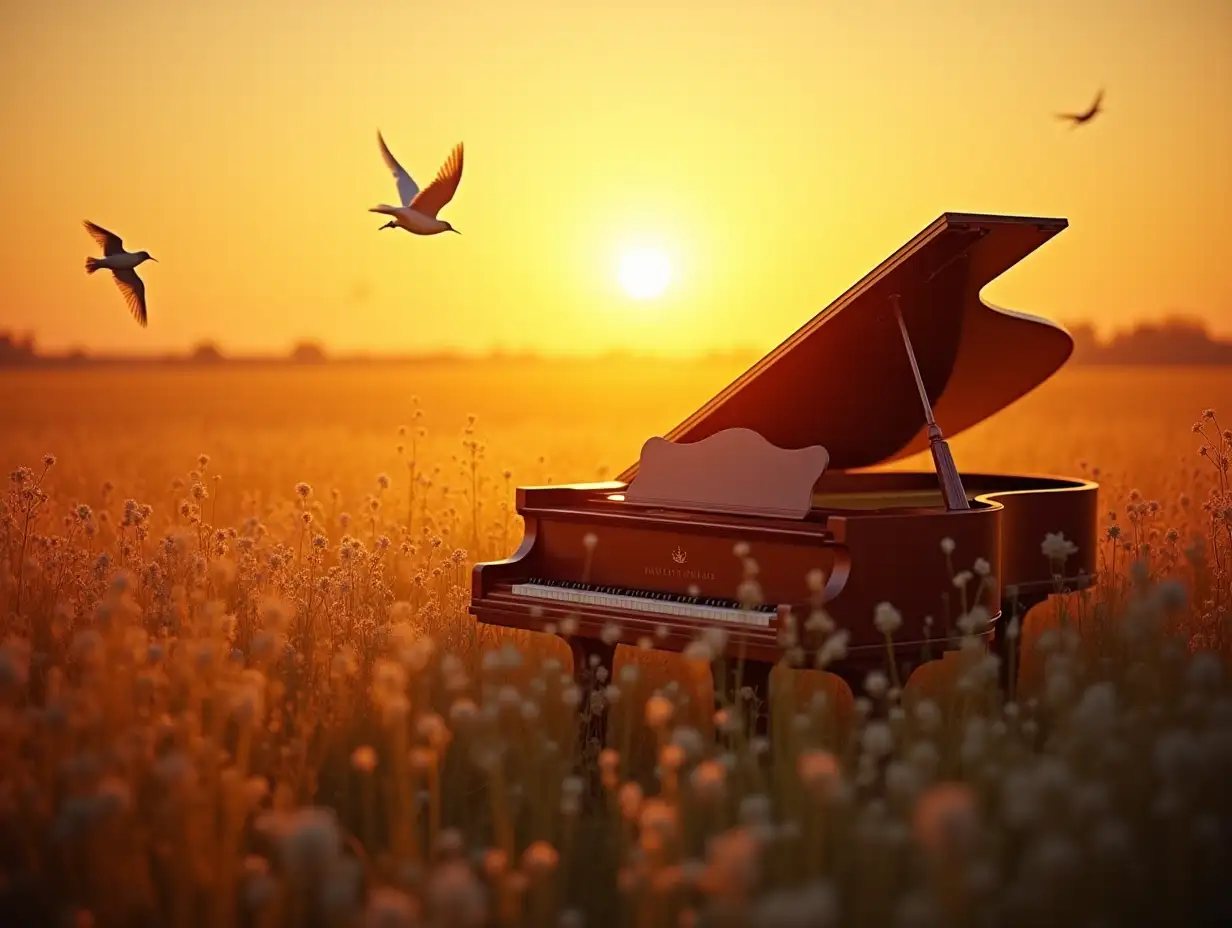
[756, 676]
[592, 672]
[1009, 650]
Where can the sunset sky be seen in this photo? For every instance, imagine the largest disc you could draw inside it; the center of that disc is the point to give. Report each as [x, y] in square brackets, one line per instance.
[774, 150]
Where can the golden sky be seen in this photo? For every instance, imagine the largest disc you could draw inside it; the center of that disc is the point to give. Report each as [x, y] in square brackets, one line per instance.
[776, 150]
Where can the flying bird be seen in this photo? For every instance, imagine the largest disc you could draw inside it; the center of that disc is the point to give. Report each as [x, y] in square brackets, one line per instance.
[1077, 119]
[417, 214]
[122, 265]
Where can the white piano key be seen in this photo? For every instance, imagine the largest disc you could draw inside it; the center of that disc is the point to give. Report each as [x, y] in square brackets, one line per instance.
[644, 604]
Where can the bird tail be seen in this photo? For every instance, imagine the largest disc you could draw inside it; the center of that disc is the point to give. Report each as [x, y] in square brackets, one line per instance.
[92, 265]
[386, 209]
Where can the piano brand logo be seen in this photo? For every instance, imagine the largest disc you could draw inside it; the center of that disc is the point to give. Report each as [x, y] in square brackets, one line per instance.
[679, 556]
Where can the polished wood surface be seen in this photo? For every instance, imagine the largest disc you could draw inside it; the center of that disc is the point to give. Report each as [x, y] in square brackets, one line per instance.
[868, 553]
[843, 381]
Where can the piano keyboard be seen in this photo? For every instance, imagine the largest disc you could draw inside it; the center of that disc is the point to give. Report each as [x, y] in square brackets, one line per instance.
[612, 597]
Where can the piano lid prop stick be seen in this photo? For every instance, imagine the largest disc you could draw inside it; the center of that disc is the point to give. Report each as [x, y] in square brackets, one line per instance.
[951, 484]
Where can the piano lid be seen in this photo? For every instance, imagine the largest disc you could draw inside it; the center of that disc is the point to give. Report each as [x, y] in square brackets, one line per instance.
[844, 381]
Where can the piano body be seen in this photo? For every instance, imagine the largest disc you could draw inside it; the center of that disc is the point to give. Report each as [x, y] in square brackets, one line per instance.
[909, 342]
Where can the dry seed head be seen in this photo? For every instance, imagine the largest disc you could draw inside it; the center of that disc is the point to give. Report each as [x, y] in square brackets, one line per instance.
[659, 711]
[364, 759]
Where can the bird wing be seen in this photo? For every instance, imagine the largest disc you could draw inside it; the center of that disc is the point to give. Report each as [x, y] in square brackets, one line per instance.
[443, 186]
[108, 241]
[407, 188]
[134, 292]
[1099, 98]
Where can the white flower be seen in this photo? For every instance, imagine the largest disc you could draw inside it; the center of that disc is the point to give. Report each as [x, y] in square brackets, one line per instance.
[981, 567]
[974, 621]
[947, 545]
[887, 619]
[877, 739]
[1057, 547]
[928, 715]
[835, 648]
[876, 684]
[962, 578]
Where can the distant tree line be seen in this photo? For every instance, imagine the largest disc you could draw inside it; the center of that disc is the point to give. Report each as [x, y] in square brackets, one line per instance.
[1175, 341]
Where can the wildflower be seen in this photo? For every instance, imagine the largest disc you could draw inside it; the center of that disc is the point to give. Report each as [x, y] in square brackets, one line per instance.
[432, 729]
[657, 821]
[390, 908]
[981, 567]
[688, 740]
[671, 757]
[630, 800]
[610, 633]
[812, 905]
[589, 540]
[818, 771]
[731, 866]
[540, 859]
[658, 711]
[709, 780]
[455, 897]
[303, 490]
[1056, 547]
[887, 619]
[877, 739]
[834, 648]
[947, 545]
[363, 759]
[309, 838]
[974, 621]
[876, 684]
[816, 580]
[945, 820]
[698, 650]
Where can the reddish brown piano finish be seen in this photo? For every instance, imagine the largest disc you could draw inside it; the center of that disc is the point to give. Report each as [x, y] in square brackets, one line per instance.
[868, 556]
[844, 382]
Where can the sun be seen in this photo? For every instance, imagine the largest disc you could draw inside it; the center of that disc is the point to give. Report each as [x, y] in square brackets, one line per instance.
[644, 273]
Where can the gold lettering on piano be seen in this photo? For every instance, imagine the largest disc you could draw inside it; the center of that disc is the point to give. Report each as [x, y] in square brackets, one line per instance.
[677, 573]
[679, 555]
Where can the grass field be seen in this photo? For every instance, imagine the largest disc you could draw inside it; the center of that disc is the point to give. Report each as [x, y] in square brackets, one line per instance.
[280, 713]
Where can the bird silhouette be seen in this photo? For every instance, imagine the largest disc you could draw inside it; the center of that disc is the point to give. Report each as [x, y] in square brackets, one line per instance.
[122, 265]
[1077, 119]
[417, 214]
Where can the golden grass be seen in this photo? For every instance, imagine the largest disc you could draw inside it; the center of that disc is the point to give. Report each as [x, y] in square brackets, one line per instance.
[169, 739]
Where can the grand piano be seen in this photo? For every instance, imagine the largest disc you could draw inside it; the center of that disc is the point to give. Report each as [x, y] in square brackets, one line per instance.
[774, 469]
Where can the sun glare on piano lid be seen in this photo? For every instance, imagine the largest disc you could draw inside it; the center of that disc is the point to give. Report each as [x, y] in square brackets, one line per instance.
[644, 273]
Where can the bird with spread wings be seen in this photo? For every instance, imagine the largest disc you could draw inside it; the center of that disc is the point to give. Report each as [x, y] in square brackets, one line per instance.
[418, 212]
[123, 266]
[1077, 119]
